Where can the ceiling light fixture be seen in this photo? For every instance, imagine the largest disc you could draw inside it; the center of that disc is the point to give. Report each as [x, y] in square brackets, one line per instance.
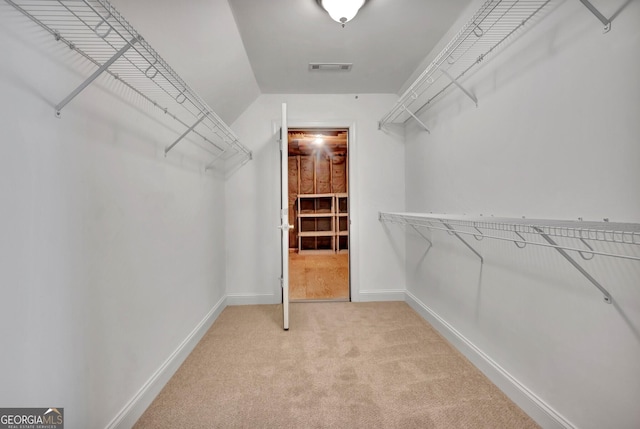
[341, 11]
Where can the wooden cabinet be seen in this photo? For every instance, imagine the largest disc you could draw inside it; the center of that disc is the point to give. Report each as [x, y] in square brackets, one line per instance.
[323, 223]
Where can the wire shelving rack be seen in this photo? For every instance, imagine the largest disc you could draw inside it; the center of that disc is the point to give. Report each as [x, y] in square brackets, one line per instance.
[521, 232]
[494, 24]
[99, 33]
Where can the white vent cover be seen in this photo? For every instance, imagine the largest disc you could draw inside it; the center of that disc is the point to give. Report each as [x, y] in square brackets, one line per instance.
[330, 66]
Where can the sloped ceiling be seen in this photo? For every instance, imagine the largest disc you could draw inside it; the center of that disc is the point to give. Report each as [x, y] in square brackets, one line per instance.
[201, 42]
[231, 51]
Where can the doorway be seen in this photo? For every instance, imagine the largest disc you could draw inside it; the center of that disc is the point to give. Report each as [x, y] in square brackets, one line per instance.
[318, 196]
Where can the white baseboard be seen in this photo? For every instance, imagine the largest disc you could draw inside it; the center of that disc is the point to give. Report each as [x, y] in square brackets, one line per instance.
[381, 295]
[251, 299]
[537, 409]
[127, 417]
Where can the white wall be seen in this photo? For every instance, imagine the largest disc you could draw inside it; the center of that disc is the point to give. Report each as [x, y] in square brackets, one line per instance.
[375, 179]
[110, 254]
[203, 45]
[555, 136]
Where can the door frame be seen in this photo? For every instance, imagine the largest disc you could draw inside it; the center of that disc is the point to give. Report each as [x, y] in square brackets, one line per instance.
[354, 212]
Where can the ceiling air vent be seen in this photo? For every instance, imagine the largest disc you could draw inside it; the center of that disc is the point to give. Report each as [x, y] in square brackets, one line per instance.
[330, 66]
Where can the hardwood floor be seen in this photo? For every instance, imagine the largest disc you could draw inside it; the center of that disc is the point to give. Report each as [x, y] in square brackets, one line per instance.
[318, 276]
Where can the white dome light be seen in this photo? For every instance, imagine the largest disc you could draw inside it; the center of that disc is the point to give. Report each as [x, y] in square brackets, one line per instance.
[342, 11]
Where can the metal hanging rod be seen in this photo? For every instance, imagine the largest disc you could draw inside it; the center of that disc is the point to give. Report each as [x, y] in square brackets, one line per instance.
[495, 22]
[98, 32]
[608, 232]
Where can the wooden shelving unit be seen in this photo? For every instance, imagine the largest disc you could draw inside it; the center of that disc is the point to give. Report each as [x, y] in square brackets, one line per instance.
[323, 223]
[342, 222]
[316, 223]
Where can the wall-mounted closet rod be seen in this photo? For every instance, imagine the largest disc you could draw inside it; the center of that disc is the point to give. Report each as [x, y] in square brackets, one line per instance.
[493, 23]
[597, 14]
[155, 63]
[93, 77]
[480, 58]
[96, 30]
[159, 66]
[385, 218]
[71, 46]
[624, 234]
[445, 54]
[152, 69]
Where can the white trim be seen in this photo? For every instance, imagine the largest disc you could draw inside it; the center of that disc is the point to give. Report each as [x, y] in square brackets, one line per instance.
[535, 407]
[252, 298]
[132, 411]
[382, 295]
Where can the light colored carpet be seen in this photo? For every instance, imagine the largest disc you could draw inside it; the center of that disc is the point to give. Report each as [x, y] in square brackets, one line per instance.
[341, 365]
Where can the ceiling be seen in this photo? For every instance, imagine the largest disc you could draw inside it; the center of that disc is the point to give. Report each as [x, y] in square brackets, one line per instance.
[386, 42]
[231, 51]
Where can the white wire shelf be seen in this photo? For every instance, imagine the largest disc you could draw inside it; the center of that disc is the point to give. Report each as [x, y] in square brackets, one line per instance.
[579, 233]
[98, 32]
[495, 22]
[612, 232]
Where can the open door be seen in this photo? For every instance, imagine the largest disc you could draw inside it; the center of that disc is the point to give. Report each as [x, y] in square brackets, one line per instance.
[284, 216]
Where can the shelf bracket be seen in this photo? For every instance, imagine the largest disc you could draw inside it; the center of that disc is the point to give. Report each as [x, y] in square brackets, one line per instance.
[423, 236]
[416, 118]
[597, 14]
[462, 88]
[94, 76]
[607, 295]
[454, 232]
[168, 148]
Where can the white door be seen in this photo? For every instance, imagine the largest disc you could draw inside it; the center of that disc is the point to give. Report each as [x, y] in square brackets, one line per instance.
[284, 215]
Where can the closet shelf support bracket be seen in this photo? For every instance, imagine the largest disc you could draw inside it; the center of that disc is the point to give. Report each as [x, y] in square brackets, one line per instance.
[423, 236]
[168, 148]
[462, 88]
[93, 77]
[607, 295]
[597, 14]
[416, 118]
[454, 232]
